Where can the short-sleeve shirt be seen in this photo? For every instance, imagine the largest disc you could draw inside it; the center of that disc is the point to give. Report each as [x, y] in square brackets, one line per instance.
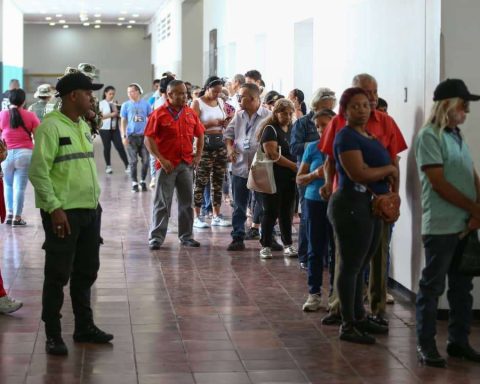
[374, 155]
[449, 150]
[379, 125]
[18, 138]
[274, 133]
[315, 159]
[136, 114]
[173, 132]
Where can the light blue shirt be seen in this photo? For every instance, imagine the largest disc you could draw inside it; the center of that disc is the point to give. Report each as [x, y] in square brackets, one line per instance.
[315, 159]
[449, 150]
[136, 114]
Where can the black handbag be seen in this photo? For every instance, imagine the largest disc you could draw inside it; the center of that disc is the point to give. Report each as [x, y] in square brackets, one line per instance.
[470, 260]
[213, 142]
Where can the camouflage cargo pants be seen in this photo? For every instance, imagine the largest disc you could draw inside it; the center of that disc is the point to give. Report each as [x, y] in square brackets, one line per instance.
[211, 169]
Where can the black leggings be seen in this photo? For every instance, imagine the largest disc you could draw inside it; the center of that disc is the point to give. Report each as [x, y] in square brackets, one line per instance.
[358, 233]
[278, 206]
[113, 135]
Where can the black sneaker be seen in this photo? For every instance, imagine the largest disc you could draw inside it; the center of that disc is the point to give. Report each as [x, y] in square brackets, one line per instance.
[276, 246]
[332, 319]
[135, 188]
[252, 234]
[352, 334]
[56, 346]
[369, 326]
[190, 243]
[236, 245]
[19, 223]
[92, 334]
[143, 186]
[154, 245]
[379, 319]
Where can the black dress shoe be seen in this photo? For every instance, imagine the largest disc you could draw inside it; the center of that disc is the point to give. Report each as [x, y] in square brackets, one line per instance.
[352, 334]
[332, 319]
[154, 245]
[92, 334]
[430, 356]
[56, 346]
[236, 245]
[367, 325]
[463, 351]
[190, 243]
[379, 319]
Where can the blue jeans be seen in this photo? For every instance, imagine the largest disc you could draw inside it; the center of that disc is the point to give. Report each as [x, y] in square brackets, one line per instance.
[207, 201]
[317, 229]
[443, 253]
[15, 177]
[302, 228]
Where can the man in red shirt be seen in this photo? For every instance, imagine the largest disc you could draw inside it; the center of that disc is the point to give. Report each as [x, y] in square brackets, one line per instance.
[169, 138]
[384, 128]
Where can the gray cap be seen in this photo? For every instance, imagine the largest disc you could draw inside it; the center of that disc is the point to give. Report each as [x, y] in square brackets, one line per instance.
[44, 90]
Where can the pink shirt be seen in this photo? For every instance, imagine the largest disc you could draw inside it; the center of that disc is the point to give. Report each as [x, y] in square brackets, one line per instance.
[17, 138]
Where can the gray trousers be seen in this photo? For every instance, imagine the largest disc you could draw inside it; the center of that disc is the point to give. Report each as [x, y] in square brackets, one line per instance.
[181, 179]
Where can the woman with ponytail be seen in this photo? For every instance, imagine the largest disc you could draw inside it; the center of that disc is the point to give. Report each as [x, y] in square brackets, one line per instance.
[17, 126]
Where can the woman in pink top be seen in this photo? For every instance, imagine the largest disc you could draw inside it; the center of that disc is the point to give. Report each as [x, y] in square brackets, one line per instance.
[17, 126]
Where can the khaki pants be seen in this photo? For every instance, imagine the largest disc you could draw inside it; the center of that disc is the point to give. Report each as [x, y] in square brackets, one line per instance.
[377, 287]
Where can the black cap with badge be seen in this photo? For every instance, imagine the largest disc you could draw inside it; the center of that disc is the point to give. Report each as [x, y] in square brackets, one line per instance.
[74, 81]
[452, 88]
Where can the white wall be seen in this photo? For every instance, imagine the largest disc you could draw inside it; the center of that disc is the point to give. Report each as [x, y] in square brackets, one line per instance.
[192, 41]
[122, 55]
[461, 59]
[387, 39]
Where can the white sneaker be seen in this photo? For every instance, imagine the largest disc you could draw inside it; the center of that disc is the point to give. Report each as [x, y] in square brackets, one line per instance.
[9, 304]
[290, 251]
[266, 253]
[390, 299]
[220, 222]
[313, 303]
[199, 223]
[109, 169]
[152, 183]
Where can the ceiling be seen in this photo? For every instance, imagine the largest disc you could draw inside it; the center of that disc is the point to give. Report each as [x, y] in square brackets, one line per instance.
[64, 12]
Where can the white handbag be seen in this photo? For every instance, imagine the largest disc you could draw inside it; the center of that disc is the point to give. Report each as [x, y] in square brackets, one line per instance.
[260, 176]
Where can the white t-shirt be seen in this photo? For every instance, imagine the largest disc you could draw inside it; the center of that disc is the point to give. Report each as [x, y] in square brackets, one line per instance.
[159, 102]
[105, 109]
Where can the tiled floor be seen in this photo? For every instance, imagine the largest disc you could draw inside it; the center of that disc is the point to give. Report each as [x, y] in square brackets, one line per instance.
[183, 316]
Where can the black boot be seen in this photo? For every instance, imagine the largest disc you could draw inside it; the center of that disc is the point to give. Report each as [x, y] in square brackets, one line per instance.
[350, 332]
[91, 334]
[56, 346]
[429, 355]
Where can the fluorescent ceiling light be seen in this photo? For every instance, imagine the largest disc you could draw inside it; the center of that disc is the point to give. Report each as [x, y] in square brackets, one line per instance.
[132, 21]
[98, 21]
[58, 15]
[129, 26]
[51, 24]
[135, 15]
[121, 18]
[65, 26]
[61, 21]
[119, 24]
[48, 18]
[86, 24]
[96, 26]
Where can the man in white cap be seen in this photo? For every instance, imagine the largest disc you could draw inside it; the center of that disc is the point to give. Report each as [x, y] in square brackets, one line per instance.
[43, 93]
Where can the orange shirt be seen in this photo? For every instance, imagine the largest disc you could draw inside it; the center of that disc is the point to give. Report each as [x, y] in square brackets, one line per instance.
[379, 125]
[173, 132]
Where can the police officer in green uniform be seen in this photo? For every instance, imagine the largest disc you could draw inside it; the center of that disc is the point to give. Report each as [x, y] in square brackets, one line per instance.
[64, 176]
[43, 93]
